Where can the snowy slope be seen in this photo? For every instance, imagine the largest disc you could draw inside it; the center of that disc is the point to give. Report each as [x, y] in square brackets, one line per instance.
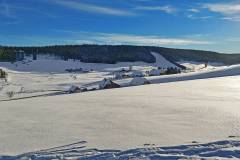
[28, 84]
[132, 122]
[223, 71]
[219, 72]
[47, 74]
[32, 83]
[161, 114]
[44, 64]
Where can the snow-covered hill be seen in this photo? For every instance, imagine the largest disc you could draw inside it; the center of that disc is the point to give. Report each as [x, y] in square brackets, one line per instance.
[161, 114]
[35, 83]
[47, 74]
[51, 65]
[200, 106]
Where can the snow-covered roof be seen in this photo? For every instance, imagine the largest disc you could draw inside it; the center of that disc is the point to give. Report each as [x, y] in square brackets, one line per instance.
[139, 81]
[137, 74]
[73, 89]
[107, 83]
[155, 72]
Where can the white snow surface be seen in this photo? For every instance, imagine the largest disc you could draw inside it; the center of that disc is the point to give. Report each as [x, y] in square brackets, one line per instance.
[162, 114]
[47, 75]
[221, 150]
[126, 123]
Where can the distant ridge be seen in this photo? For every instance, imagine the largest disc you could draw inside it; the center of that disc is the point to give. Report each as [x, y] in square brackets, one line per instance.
[119, 53]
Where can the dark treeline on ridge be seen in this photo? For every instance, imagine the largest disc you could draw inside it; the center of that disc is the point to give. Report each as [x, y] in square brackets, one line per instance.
[119, 53]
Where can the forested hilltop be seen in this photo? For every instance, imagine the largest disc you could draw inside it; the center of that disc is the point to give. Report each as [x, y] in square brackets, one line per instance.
[118, 53]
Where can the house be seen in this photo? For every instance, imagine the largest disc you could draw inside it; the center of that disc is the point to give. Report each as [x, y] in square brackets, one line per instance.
[137, 74]
[172, 70]
[155, 72]
[139, 81]
[107, 84]
[121, 75]
[118, 75]
[74, 89]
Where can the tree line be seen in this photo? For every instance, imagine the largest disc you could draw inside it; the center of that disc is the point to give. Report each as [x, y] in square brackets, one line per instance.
[120, 53]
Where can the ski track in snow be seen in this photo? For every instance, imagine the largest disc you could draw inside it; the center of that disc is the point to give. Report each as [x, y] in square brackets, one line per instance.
[228, 149]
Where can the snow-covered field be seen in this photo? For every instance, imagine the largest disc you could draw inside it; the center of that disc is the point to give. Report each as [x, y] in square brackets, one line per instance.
[160, 114]
[47, 75]
[50, 65]
[186, 111]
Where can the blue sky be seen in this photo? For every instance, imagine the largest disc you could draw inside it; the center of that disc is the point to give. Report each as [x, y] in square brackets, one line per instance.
[196, 24]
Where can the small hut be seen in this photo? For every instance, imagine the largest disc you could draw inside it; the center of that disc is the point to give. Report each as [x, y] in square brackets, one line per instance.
[107, 84]
[139, 81]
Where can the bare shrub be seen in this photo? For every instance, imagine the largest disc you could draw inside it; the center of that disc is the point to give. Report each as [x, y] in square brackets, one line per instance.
[3, 74]
[10, 94]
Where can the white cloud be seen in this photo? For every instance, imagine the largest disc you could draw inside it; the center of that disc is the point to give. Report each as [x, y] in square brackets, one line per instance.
[167, 9]
[229, 11]
[194, 10]
[85, 7]
[231, 18]
[224, 8]
[143, 40]
[194, 17]
[107, 38]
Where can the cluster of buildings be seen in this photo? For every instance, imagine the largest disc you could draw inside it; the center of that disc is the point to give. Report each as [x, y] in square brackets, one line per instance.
[153, 72]
[108, 83]
[137, 78]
